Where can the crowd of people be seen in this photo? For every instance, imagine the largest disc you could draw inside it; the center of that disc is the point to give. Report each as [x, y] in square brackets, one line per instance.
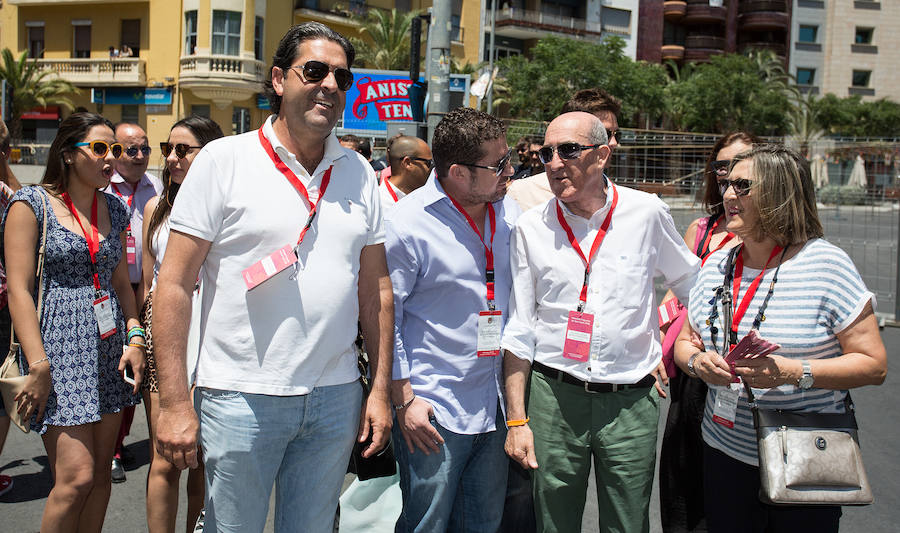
[511, 332]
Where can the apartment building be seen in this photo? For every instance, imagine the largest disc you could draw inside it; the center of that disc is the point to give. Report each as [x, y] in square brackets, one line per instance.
[695, 30]
[847, 47]
[521, 23]
[155, 61]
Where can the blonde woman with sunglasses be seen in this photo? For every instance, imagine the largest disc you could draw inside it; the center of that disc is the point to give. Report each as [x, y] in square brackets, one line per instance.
[186, 138]
[73, 351]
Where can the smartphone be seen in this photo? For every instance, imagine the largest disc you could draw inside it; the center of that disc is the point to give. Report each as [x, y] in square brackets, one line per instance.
[129, 375]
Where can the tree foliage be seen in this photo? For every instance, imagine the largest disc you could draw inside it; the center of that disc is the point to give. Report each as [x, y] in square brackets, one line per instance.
[31, 87]
[852, 117]
[541, 84]
[389, 34]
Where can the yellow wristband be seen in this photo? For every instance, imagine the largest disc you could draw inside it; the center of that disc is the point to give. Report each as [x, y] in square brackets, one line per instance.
[516, 423]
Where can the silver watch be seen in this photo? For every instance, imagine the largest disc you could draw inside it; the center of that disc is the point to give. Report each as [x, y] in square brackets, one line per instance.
[690, 365]
[806, 380]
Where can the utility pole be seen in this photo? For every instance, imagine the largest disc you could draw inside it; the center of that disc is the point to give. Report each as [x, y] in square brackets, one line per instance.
[439, 71]
[490, 87]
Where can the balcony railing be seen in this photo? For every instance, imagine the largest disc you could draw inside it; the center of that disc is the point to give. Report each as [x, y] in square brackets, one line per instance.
[511, 16]
[93, 72]
[674, 9]
[221, 68]
[752, 6]
[704, 41]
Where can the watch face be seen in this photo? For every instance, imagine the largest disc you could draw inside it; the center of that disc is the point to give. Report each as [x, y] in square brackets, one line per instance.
[806, 382]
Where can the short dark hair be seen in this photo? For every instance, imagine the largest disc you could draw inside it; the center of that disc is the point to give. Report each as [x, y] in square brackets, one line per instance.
[287, 50]
[459, 135]
[71, 130]
[712, 197]
[353, 139]
[593, 101]
[365, 148]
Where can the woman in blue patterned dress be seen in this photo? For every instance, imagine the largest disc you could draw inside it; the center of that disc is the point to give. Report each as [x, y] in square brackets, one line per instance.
[73, 352]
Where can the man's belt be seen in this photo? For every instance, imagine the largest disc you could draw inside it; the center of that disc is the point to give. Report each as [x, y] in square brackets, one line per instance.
[558, 375]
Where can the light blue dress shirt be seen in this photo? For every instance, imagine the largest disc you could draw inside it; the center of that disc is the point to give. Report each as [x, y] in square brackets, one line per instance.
[437, 267]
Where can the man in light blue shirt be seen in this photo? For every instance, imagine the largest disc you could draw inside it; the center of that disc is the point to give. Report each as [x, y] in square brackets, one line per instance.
[448, 254]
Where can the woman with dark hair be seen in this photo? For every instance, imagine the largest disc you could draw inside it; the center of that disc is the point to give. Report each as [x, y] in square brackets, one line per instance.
[72, 352]
[796, 290]
[186, 138]
[680, 463]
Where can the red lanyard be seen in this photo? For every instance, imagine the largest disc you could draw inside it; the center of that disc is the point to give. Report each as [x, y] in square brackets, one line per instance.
[741, 307]
[92, 238]
[601, 234]
[708, 240]
[130, 200]
[390, 190]
[293, 180]
[488, 251]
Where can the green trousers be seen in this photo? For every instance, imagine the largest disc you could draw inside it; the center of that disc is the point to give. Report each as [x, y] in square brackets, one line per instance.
[618, 430]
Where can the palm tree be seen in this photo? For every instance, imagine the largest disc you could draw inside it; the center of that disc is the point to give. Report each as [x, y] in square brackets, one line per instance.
[31, 87]
[389, 35]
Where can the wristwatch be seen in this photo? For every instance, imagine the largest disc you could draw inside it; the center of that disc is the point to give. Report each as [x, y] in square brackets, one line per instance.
[806, 380]
[690, 365]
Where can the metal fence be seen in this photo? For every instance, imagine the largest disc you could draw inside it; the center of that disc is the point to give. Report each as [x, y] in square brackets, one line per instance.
[862, 220]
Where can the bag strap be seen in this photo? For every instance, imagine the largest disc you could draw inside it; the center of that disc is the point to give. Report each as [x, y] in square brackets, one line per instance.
[39, 276]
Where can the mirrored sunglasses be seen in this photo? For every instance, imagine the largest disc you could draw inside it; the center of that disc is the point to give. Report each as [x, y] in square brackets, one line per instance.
[132, 151]
[565, 150]
[181, 149]
[741, 186]
[101, 148]
[720, 166]
[314, 71]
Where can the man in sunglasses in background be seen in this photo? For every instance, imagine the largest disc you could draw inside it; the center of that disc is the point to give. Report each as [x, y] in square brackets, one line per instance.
[287, 226]
[448, 253]
[535, 190]
[411, 163]
[132, 184]
[583, 319]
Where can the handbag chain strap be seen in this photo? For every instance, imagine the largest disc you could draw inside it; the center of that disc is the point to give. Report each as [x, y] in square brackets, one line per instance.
[39, 276]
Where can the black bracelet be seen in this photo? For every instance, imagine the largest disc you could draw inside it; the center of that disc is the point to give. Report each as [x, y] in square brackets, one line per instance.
[405, 404]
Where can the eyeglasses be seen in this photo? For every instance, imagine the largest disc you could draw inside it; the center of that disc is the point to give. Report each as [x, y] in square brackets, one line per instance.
[611, 134]
[429, 162]
[132, 151]
[314, 71]
[101, 148]
[565, 151]
[498, 170]
[181, 149]
[720, 166]
[741, 186]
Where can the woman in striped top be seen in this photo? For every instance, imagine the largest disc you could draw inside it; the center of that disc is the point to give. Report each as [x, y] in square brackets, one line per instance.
[819, 311]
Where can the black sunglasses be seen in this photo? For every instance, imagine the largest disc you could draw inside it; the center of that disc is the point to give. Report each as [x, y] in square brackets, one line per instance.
[429, 162]
[101, 148]
[132, 151]
[616, 134]
[569, 150]
[498, 170]
[741, 186]
[720, 166]
[314, 71]
[181, 149]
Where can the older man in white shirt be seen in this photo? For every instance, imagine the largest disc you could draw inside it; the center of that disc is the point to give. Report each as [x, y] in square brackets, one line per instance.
[582, 316]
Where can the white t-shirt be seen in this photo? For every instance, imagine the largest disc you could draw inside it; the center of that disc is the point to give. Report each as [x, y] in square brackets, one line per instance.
[387, 200]
[284, 337]
[159, 240]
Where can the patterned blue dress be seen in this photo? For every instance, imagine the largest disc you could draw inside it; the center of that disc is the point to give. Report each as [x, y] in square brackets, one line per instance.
[84, 367]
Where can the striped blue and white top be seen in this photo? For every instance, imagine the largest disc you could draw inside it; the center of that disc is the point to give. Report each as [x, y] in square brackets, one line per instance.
[818, 294]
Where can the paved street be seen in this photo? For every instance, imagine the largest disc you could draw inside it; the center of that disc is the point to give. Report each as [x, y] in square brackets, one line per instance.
[877, 408]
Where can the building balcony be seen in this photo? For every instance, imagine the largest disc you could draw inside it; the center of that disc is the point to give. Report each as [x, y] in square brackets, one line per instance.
[222, 79]
[755, 6]
[121, 72]
[778, 48]
[701, 55]
[703, 13]
[704, 41]
[763, 20]
[675, 52]
[524, 24]
[674, 9]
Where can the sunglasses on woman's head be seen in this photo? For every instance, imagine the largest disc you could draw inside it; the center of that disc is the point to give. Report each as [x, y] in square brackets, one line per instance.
[314, 71]
[720, 166]
[569, 150]
[741, 186]
[132, 151]
[101, 148]
[181, 149]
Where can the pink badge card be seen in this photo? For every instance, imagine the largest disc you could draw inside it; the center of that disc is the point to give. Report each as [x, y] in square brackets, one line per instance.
[577, 345]
[266, 268]
[131, 250]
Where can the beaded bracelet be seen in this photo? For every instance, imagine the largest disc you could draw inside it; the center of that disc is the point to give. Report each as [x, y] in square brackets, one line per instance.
[517, 423]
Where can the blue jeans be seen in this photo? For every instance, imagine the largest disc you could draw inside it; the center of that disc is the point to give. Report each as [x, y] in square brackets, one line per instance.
[300, 443]
[460, 488]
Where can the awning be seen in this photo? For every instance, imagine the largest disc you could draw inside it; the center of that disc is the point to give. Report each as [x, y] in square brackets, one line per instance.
[42, 113]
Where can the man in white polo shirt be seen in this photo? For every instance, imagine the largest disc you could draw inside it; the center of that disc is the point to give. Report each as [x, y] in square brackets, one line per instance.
[286, 224]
